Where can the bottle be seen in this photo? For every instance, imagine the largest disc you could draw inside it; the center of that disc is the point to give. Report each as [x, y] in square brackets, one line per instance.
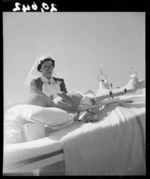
[103, 82]
[133, 76]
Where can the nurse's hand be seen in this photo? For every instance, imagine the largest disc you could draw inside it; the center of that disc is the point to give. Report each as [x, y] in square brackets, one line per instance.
[51, 97]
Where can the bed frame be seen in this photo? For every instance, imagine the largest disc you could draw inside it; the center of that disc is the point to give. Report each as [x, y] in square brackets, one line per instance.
[28, 157]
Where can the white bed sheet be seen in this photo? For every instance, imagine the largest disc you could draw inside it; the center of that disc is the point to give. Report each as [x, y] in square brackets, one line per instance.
[15, 154]
[115, 145]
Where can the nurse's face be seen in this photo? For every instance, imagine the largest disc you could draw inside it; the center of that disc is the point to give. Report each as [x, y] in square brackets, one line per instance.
[47, 69]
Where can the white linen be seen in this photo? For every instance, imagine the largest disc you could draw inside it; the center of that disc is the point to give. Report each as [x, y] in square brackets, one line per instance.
[53, 117]
[17, 116]
[51, 88]
[113, 146]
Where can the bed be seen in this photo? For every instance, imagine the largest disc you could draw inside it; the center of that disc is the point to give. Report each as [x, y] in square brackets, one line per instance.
[113, 145]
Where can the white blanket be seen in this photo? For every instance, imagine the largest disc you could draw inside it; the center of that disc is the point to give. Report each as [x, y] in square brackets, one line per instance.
[115, 145]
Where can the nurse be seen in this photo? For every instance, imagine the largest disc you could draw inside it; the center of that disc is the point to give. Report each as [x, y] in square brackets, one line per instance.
[45, 89]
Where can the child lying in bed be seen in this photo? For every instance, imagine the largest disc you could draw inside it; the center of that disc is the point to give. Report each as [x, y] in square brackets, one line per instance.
[67, 101]
[49, 91]
[72, 101]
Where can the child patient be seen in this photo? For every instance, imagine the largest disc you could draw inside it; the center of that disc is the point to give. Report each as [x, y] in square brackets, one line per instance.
[48, 91]
[73, 100]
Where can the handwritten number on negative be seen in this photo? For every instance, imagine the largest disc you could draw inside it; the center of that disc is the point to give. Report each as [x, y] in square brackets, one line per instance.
[34, 6]
[17, 8]
[26, 8]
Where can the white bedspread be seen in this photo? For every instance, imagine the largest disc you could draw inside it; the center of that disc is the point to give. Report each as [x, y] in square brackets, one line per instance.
[115, 145]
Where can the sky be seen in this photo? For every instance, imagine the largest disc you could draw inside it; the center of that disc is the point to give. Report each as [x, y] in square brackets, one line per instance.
[81, 43]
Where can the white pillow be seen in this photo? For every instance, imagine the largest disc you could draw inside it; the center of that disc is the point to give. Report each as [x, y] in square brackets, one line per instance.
[53, 117]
